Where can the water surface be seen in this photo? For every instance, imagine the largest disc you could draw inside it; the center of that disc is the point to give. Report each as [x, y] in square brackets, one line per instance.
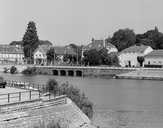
[118, 103]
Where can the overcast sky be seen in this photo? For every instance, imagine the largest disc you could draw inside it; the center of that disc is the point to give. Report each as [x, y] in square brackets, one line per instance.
[77, 21]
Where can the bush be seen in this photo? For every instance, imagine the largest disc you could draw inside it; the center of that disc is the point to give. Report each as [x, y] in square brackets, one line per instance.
[30, 71]
[13, 70]
[52, 86]
[5, 70]
[73, 93]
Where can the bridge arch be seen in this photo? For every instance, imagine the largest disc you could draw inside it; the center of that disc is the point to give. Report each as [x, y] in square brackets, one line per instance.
[79, 73]
[55, 72]
[70, 73]
[62, 72]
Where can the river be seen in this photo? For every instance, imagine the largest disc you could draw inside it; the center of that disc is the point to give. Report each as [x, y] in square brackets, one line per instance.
[119, 103]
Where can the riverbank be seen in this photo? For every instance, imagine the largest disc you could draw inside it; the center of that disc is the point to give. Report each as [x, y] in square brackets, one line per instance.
[94, 72]
[78, 71]
[143, 74]
[20, 68]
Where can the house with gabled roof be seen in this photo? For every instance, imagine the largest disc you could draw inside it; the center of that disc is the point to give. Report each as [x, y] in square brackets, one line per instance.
[11, 54]
[154, 59]
[128, 57]
[39, 54]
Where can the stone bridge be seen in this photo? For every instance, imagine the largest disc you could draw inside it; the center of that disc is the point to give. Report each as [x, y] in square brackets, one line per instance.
[80, 71]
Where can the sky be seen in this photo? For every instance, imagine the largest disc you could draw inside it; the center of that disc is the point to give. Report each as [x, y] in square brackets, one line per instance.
[77, 21]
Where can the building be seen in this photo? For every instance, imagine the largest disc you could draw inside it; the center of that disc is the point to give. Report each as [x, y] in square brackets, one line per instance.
[128, 57]
[40, 57]
[61, 51]
[98, 45]
[154, 59]
[11, 54]
[40, 54]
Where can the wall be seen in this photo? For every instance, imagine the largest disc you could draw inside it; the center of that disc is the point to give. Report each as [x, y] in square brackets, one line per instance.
[153, 61]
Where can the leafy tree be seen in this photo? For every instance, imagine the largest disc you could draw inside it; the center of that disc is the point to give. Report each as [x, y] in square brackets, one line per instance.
[30, 40]
[152, 38]
[92, 57]
[123, 38]
[52, 86]
[104, 56]
[50, 55]
[140, 59]
[101, 57]
[78, 51]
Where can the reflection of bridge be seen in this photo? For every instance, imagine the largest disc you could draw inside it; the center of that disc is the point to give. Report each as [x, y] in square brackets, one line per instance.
[82, 70]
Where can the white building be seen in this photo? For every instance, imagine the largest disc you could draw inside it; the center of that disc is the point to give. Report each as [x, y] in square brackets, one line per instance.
[11, 54]
[98, 45]
[154, 59]
[40, 54]
[128, 57]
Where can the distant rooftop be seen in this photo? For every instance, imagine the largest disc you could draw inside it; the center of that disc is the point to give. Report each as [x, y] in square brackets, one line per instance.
[155, 54]
[9, 49]
[61, 50]
[135, 49]
[98, 45]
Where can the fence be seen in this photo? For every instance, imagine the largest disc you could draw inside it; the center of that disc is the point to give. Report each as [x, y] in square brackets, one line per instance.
[19, 96]
[34, 91]
[25, 85]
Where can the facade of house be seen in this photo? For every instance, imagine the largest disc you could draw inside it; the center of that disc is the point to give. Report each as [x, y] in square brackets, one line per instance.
[128, 57]
[11, 54]
[98, 45]
[61, 51]
[40, 57]
[154, 59]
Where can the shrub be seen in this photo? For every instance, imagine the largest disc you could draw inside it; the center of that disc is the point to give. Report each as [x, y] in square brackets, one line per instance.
[13, 70]
[73, 93]
[5, 70]
[52, 86]
[30, 71]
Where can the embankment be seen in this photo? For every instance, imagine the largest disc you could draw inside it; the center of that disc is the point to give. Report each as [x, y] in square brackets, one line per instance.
[31, 114]
[80, 71]
[143, 74]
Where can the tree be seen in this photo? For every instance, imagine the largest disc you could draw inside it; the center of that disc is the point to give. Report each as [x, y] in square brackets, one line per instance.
[30, 40]
[101, 57]
[104, 56]
[123, 38]
[50, 55]
[92, 57]
[152, 38]
[140, 59]
[78, 50]
[52, 86]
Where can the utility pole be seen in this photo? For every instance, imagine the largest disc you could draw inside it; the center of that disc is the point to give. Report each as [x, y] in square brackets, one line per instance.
[77, 55]
[54, 56]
